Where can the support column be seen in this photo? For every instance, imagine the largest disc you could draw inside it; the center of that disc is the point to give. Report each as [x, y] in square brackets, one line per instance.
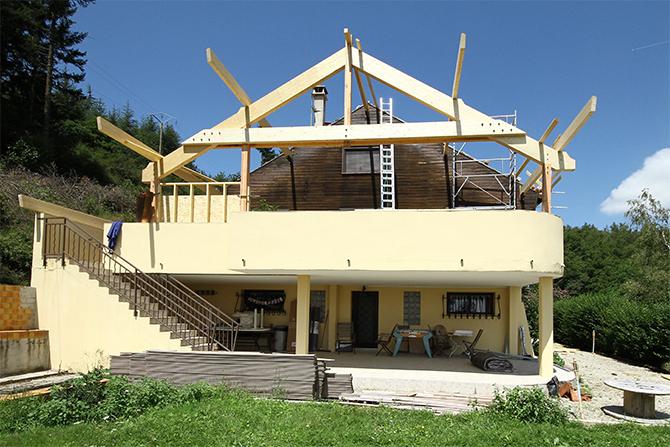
[515, 309]
[244, 177]
[155, 188]
[546, 188]
[332, 316]
[302, 316]
[546, 327]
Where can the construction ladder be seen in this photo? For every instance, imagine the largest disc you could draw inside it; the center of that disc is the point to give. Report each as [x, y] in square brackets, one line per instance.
[387, 165]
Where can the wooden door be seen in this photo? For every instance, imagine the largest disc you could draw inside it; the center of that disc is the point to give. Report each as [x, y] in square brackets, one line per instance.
[365, 315]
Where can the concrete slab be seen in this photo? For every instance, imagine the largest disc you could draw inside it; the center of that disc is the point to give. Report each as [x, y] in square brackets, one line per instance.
[418, 373]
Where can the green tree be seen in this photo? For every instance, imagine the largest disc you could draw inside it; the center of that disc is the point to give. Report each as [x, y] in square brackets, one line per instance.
[267, 154]
[652, 222]
[598, 260]
[38, 50]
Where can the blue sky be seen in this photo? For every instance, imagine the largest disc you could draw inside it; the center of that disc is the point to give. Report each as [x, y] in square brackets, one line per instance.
[542, 59]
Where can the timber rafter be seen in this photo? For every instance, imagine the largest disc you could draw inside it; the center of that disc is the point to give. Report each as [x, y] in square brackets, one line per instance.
[465, 123]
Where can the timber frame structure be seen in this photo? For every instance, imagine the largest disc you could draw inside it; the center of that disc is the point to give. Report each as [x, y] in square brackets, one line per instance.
[344, 259]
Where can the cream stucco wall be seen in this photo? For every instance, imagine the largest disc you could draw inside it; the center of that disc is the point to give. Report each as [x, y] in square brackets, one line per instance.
[86, 324]
[419, 247]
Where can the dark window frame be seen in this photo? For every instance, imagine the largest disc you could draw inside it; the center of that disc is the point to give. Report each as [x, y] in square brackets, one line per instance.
[374, 150]
[470, 304]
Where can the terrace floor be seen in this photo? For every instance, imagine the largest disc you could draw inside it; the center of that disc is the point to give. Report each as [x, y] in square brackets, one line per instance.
[417, 373]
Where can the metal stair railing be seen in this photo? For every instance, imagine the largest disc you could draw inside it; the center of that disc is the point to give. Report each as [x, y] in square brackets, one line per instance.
[175, 307]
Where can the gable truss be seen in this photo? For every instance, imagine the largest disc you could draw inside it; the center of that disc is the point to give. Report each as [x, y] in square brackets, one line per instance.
[226, 134]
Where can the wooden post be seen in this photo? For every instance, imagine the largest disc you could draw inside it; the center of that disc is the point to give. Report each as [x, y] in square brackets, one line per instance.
[332, 319]
[546, 327]
[244, 177]
[515, 307]
[546, 186]
[302, 316]
[155, 188]
[459, 66]
[347, 79]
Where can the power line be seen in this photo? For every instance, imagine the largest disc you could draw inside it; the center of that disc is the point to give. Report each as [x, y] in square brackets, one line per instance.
[121, 87]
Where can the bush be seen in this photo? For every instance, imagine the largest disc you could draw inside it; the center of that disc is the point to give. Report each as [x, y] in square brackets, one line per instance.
[529, 405]
[86, 399]
[633, 330]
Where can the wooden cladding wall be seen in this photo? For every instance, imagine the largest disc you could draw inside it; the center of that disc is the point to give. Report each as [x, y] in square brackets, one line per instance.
[314, 180]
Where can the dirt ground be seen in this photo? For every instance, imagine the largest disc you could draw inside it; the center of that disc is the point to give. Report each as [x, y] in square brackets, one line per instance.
[594, 369]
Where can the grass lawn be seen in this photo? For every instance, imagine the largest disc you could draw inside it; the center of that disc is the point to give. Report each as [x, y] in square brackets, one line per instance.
[236, 419]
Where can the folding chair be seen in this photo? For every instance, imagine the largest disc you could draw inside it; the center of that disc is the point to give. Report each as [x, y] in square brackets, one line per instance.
[345, 336]
[440, 340]
[383, 341]
[469, 347]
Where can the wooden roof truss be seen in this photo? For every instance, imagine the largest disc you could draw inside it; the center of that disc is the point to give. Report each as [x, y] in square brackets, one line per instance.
[464, 122]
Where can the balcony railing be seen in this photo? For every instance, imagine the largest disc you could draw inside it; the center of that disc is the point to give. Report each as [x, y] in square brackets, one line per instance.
[196, 202]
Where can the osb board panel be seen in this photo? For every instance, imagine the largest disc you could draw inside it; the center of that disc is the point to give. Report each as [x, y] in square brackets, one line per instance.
[199, 208]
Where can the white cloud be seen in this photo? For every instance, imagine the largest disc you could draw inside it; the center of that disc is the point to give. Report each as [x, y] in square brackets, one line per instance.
[654, 175]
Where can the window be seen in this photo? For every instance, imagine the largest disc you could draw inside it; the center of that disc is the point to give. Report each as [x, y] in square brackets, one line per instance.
[467, 304]
[357, 160]
[270, 300]
[412, 311]
[317, 300]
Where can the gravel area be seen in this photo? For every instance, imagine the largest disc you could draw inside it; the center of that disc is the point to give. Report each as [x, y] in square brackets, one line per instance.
[594, 369]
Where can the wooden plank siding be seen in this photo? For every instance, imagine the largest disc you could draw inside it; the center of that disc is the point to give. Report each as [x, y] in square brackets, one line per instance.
[315, 180]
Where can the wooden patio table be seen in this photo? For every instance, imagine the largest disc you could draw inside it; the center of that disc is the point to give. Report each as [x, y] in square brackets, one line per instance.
[639, 397]
[424, 334]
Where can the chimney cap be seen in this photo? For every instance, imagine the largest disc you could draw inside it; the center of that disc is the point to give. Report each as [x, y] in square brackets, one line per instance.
[320, 89]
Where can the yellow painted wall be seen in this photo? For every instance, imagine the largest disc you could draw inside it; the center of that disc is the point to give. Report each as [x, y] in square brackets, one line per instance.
[399, 240]
[86, 324]
[391, 308]
[453, 241]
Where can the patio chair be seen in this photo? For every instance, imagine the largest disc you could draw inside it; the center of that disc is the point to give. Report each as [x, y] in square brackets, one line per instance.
[469, 347]
[440, 340]
[346, 337]
[383, 341]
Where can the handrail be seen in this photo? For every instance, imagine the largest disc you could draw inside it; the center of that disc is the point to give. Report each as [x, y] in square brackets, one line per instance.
[177, 308]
